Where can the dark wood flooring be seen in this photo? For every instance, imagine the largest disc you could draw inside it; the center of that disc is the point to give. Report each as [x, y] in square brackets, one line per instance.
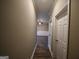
[42, 53]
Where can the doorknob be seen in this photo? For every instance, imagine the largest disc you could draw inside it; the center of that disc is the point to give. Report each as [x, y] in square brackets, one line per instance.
[56, 40]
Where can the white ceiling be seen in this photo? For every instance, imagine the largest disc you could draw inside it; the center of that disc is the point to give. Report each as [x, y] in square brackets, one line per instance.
[43, 7]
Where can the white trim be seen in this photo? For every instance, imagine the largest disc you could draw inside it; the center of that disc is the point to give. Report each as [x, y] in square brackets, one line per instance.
[50, 51]
[33, 51]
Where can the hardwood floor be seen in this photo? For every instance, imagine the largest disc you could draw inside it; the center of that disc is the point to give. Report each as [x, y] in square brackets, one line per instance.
[42, 53]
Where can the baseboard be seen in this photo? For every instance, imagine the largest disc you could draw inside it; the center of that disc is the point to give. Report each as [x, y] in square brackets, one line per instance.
[51, 52]
[33, 51]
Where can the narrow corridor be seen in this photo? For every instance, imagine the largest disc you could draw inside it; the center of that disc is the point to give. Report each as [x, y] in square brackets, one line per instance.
[42, 49]
[39, 29]
[43, 9]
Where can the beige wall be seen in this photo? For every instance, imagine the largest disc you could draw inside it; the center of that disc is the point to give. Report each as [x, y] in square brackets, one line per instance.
[17, 28]
[74, 31]
[58, 5]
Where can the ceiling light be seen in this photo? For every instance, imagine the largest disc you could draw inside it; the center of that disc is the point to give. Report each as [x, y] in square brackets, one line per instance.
[40, 23]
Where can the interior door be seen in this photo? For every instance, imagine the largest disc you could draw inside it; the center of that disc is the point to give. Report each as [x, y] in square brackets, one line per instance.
[62, 35]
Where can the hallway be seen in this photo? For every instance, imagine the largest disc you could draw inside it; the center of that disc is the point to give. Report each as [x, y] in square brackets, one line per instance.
[52, 22]
[43, 9]
[39, 29]
[42, 49]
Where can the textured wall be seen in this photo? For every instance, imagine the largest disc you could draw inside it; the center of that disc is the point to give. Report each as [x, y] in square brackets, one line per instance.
[17, 28]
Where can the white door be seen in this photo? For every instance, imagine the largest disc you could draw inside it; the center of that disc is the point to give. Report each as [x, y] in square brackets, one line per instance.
[62, 37]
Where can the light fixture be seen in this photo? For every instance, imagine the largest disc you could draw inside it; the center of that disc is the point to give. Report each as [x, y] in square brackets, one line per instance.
[40, 23]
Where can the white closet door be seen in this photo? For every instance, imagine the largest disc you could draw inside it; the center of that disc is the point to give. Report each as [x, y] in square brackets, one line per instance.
[62, 37]
[59, 38]
[65, 37]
